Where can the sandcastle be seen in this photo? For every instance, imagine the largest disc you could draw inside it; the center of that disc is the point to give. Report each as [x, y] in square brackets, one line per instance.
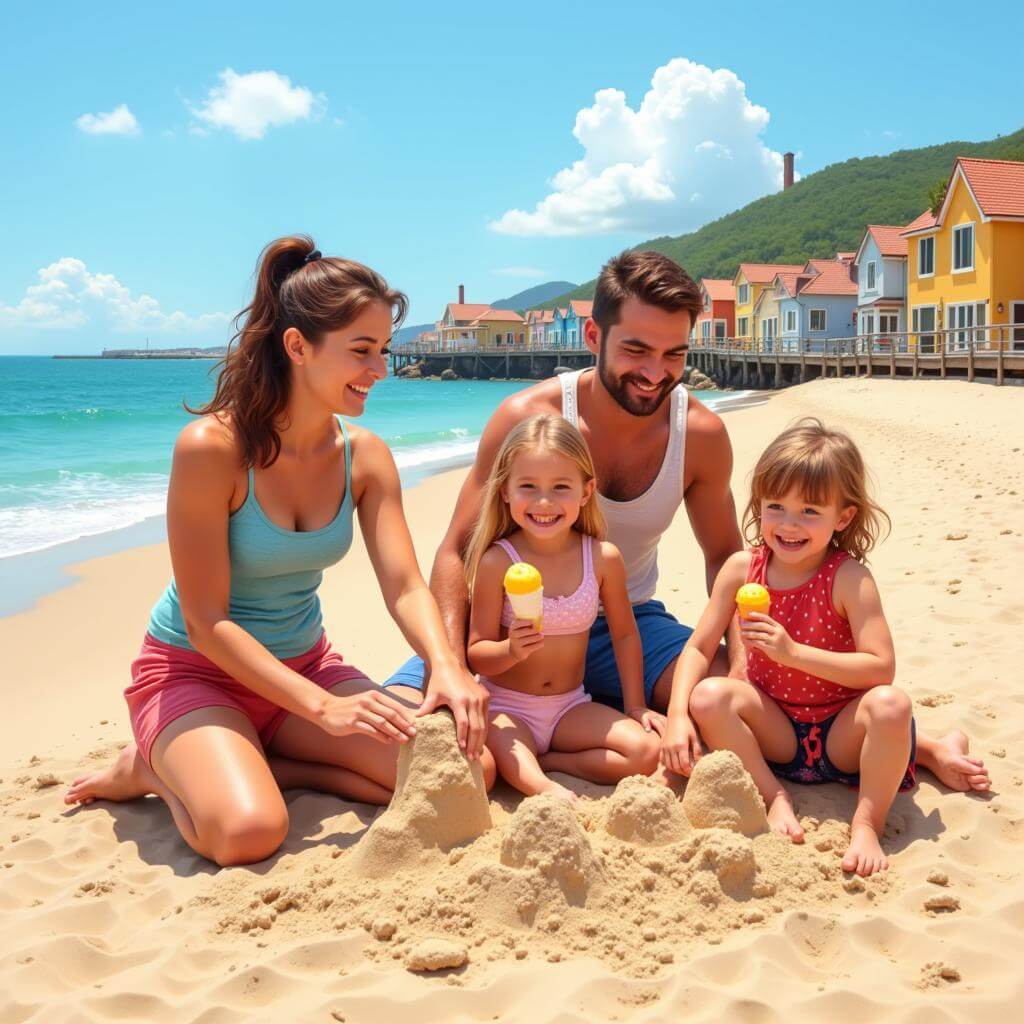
[643, 812]
[721, 794]
[439, 803]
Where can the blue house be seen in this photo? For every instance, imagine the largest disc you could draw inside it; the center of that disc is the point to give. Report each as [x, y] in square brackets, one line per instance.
[881, 263]
[576, 316]
[554, 332]
[816, 305]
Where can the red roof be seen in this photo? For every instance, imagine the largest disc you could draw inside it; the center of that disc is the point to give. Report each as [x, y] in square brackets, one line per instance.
[923, 223]
[998, 185]
[790, 281]
[544, 316]
[503, 315]
[582, 307]
[764, 273]
[719, 290]
[833, 278]
[889, 239]
[467, 310]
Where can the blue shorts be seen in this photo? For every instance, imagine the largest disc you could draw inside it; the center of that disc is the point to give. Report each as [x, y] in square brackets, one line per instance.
[662, 638]
[812, 764]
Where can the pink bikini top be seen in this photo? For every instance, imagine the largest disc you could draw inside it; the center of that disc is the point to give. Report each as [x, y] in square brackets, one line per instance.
[563, 616]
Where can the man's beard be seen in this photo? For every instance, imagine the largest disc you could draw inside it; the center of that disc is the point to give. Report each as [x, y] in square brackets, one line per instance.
[618, 388]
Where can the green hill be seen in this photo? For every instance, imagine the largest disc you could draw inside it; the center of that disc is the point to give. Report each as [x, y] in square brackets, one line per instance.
[822, 214]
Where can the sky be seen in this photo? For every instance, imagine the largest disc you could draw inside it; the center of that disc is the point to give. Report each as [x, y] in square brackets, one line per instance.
[150, 151]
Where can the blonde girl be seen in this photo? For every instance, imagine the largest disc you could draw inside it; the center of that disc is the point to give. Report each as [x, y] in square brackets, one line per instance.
[539, 508]
[822, 707]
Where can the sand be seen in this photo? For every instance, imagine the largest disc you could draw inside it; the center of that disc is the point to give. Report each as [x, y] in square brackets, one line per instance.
[621, 907]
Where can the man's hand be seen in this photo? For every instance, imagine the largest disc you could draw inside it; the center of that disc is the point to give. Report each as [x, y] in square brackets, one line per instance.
[762, 633]
[370, 713]
[680, 745]
[454, 686]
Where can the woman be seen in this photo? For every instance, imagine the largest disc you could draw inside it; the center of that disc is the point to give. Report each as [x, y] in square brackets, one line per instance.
[236, 684]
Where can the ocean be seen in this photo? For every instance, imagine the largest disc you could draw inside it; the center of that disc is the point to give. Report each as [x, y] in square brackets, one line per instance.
[85, 445]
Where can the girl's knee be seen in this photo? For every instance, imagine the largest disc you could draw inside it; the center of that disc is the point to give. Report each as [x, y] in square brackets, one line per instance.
[710, 698]
[248, 837]
[642, 752]
[888, 707]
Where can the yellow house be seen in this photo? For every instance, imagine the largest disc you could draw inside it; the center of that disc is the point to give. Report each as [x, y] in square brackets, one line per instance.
[751, 280]
[473, 325]
[965, 266]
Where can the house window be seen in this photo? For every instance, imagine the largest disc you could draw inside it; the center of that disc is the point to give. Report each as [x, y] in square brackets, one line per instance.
[962, 316]
[963, 247]
[705, 329]
[887, 323]
[790, 321]
[926, 256]
[719, 329]
[922, 321]
[818, 320]
[743, 294]
[871, 276]
[741, 326]
[572, 336]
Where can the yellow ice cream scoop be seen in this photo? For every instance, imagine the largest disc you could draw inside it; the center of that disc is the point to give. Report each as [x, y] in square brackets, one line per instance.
[522, 578]
[752, 597]
[525, 590]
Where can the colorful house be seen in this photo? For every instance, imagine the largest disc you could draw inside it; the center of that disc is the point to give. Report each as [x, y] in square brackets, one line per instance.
[881, 263]
[537, 321]
[717, 320]
[469, 325]
[577, 314]
[966, 262]
[751, 279]
[554, 332]
[813, 306]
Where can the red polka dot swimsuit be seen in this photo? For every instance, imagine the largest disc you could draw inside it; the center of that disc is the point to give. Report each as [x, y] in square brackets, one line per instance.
[810, 618]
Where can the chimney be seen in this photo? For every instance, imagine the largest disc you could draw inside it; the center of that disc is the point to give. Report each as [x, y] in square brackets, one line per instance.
[462, 294]
[787, 170]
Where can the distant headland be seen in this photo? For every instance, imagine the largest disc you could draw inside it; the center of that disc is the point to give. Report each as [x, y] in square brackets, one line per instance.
[217, 352]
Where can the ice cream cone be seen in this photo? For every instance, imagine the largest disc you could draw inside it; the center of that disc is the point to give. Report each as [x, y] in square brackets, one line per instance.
[752, 597]
[525, 590]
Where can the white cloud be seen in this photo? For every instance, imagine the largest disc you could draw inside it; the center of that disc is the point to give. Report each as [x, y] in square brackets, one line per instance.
[119, 121]
[519, 272]
[69, 295]
[250, 104]
[692, 151]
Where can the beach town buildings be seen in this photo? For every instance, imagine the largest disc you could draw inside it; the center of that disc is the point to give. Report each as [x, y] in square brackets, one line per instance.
[718, 317]
[881, 263]
[469, 325]
[553, 330]
[750, 281]
[966, 261]
[537, 321]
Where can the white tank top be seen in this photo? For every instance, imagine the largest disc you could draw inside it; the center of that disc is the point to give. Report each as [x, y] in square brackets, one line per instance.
[636, 526]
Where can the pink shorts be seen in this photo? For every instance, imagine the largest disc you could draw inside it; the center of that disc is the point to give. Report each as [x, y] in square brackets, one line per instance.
[540, 714]
[168, 682]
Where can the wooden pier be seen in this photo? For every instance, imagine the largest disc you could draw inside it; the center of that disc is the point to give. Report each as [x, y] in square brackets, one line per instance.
[494, 364]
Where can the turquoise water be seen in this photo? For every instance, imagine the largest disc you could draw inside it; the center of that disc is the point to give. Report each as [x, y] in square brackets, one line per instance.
[85, 445]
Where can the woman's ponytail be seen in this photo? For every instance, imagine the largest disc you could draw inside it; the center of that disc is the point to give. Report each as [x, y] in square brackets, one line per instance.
[295, 287]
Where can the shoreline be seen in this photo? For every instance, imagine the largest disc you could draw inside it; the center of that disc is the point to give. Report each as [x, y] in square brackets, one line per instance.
[28, 577]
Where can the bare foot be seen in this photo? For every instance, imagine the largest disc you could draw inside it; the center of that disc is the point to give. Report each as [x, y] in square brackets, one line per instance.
[864, 854]
[127, 778]
[557, 789]
[782, 818]
[951, 764]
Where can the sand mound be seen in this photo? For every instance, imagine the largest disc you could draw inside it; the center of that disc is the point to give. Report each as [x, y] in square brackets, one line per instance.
[640, 811]
[440, 802]
[721, 794]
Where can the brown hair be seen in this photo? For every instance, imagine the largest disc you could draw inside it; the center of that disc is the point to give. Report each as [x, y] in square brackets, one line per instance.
[823, 465]
[646, 275]
[546, 432]
[315, 296]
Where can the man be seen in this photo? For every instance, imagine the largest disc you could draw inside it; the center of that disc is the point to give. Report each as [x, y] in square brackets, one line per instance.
[655, 447]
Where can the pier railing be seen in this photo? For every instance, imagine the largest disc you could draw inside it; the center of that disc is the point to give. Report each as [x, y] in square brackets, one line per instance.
[467, 345]
[949, 341]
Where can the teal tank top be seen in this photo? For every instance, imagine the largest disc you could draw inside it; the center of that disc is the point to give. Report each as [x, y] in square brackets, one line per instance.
[275, 574]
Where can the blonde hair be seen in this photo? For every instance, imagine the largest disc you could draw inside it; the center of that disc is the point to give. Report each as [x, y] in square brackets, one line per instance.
[544, 433]
[823, 465]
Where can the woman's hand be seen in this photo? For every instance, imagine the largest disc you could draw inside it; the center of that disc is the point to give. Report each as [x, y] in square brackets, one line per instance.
[369, 713]
[650, 720]
[762, 633]
[457, 688]
[680, 745]
[523, 639]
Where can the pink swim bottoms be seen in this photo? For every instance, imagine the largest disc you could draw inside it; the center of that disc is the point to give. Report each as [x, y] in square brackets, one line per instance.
[540, 714]
[168, 682]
